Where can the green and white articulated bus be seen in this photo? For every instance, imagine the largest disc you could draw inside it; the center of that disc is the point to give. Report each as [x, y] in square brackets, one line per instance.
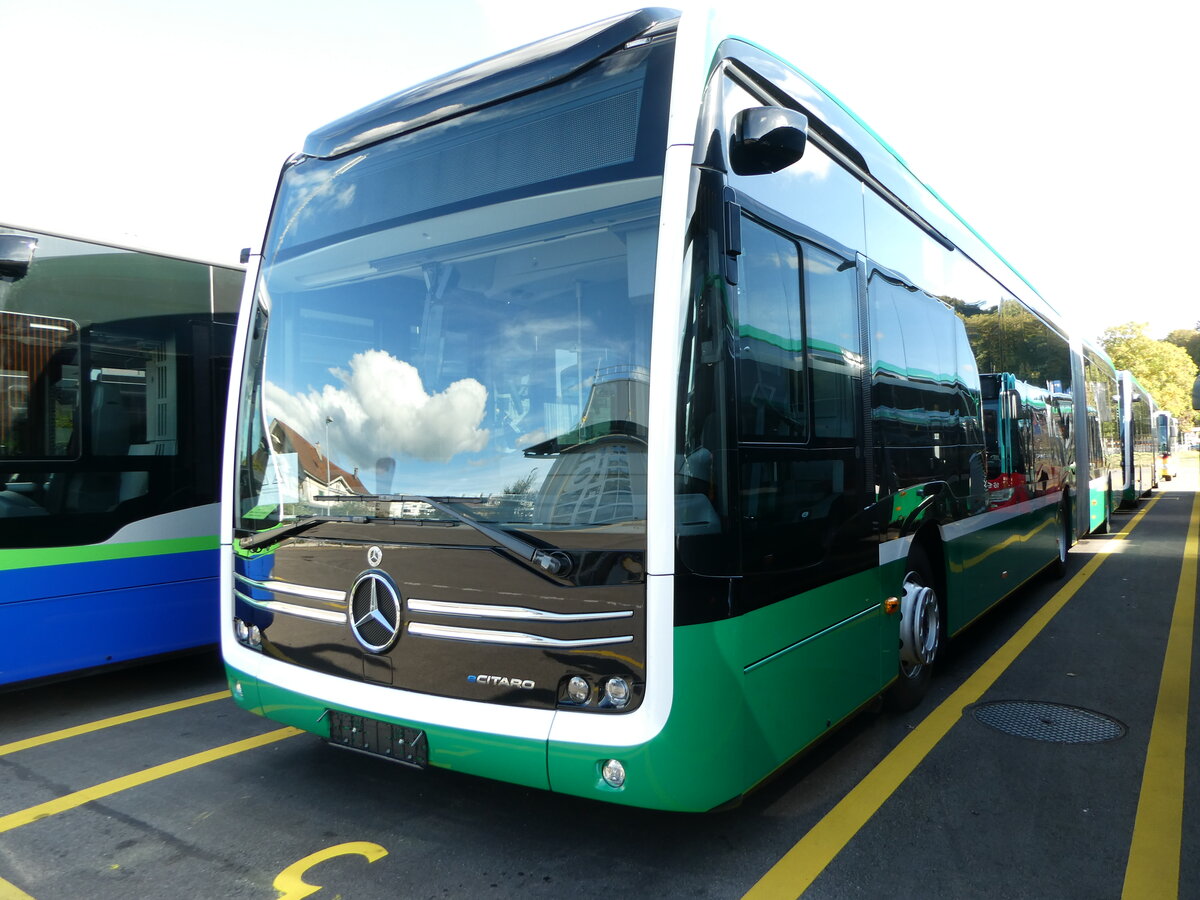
[611, 421]
[1139, 440]
[1104, 462]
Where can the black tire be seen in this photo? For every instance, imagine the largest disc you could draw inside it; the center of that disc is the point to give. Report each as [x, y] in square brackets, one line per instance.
[912, 679]
[1058, 568]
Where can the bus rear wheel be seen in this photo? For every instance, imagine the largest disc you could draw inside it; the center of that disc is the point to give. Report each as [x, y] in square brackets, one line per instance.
[1058, 567]
[920, 633]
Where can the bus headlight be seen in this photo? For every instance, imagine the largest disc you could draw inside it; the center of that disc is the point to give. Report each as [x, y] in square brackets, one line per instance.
[248, 635]
[616, 693]
[578, 690]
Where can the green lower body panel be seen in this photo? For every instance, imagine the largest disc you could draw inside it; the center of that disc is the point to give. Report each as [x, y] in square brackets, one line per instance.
[749, 694]
[1099, 504]
[696, 762]
[991, 563]
[742, 707]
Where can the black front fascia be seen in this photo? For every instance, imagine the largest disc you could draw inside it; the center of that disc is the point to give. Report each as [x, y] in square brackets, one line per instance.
[447, 576]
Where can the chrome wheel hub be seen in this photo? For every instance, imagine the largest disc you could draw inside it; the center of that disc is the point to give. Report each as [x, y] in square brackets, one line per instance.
[920, 624]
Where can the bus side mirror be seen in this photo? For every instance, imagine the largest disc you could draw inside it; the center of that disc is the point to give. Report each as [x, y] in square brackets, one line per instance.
[766, 139]
[16, 253]
[1196, 393]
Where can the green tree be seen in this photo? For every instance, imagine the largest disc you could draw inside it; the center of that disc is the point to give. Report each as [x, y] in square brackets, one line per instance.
[521, 485]
[1188, 339]
[1164, 369]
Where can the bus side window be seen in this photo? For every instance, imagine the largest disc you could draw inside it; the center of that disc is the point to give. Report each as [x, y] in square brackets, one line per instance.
[800, 473]
[926, 392]
[772, 402]
[833, 343]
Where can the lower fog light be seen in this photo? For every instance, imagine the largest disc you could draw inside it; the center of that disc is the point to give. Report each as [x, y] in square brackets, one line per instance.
[242, 630]
[255, 636]
[613, 773]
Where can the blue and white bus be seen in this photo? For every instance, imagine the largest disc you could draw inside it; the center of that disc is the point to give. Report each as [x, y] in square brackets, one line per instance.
[114, 365]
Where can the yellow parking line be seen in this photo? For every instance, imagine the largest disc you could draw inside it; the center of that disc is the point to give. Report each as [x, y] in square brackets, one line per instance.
[12, 892]
[6, 749]
[116, 785]
[800, 866]
[1154, 853]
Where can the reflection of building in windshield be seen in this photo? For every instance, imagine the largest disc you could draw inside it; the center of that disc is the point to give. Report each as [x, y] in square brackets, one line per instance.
[599, 471]
[619, 394]
[317, 473]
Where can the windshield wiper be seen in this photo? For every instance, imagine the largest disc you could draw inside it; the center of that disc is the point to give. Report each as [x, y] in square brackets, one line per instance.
[553, 561]
[303, 523]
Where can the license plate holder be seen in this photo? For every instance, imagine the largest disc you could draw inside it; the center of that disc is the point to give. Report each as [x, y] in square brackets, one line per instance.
[407, 746]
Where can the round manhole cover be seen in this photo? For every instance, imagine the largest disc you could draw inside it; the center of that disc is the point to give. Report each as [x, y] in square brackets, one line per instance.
[1054, 722]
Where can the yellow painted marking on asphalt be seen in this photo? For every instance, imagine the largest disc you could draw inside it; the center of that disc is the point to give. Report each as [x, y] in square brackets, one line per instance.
[800, 866]
[1154, 853]
[124, 783]
[290, 882]
[40, 740]
[12, 892]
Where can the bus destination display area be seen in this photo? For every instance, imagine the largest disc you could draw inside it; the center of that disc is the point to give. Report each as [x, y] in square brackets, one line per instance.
[1044, 762]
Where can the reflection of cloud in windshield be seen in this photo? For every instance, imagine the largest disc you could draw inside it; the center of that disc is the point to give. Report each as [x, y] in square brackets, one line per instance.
[310, 187]
[382, 409]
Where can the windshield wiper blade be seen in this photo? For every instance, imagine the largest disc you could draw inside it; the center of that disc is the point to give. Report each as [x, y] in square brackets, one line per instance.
[552, 561]
[264, 538]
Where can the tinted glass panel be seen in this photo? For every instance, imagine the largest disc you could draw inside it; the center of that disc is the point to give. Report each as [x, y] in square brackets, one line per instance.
[39, 387]
[815, 190]
[772, 402]
[835, 360]
[107, 414]
[926, 409]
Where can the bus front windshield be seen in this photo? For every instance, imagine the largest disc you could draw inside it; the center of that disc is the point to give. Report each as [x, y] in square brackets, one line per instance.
[420, 333]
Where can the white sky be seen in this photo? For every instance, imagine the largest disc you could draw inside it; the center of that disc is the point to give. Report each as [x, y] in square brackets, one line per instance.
[1057, 128]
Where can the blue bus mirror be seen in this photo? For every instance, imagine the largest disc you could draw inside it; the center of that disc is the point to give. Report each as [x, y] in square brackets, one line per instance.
[767, 139]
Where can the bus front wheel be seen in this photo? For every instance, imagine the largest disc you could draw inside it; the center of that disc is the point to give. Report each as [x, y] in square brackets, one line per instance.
[920, 633]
